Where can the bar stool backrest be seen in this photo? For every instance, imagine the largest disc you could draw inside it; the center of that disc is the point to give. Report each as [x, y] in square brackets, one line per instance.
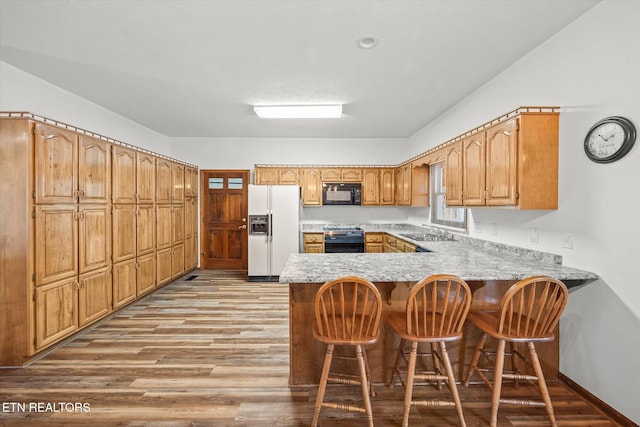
[348, 311]
[531, 308]
[437, 306]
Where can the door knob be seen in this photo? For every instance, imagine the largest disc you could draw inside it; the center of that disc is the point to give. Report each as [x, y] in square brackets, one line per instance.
[242, 227]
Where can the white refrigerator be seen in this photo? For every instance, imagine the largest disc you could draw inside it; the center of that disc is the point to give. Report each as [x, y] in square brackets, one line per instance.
[274, 212]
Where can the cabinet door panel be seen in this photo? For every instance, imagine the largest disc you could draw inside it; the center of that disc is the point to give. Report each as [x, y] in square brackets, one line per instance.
[163, 266]
[288, 176]
[371, 187]
[163, 181]
[94, 170]
[177, 183]
[453, 173]
[145, 178]
[387, 187]
[56, 243]
[56, 311]
[146, 229]
[177, 224]
[94, 296]
[124, 232]
[56, 177]
[124, 175]
[265, 176]
[177, 260]
[94, 237]
[163, 226]
[502, 155]
[311, 187]
[146, 273]
[124, 283]
[474, 170]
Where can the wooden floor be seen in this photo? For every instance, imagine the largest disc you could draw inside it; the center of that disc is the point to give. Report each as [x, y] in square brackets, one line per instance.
[213, 350]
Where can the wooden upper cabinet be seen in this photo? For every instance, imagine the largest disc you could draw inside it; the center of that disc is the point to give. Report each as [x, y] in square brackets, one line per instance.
[163, 181]
[331, 175]
[94, 170]
[177, 183]
[420, 185]
[311, 187]
[288, 176]
[502, 165]
[453, 174]
[387, 186]
[265, 176]
[371, 186]
[56, 243]
[403, 185]
[177, 224]
[473, 177]
[124, 175]
[56, 164]
[145, 178]
[351, 175]
[94, 237]
[190, 182]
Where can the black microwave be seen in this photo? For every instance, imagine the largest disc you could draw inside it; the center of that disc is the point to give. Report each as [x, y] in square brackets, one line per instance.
[341, 193]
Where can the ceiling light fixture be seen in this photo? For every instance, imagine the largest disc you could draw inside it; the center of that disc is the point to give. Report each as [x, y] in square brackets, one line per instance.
[298, 111]
[367, 42]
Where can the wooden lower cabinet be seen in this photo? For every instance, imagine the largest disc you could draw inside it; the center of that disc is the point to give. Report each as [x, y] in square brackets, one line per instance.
[177, 260]
[124, 283]
[146, 274]
[56, 311]
[313, 243]
[94, 296]
[124, 232]
[163, 264]
[374, 242]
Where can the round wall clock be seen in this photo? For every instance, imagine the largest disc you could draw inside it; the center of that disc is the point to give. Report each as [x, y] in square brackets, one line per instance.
[610, 139]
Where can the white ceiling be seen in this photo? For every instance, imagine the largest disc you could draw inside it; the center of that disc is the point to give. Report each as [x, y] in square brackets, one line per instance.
[195, 67]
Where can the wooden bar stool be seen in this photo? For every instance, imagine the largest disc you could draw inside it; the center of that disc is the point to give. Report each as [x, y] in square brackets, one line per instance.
[347, 313]
[528, 313]
[437, 307]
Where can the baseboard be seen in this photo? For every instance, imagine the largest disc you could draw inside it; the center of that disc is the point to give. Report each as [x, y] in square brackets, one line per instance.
[604, 407]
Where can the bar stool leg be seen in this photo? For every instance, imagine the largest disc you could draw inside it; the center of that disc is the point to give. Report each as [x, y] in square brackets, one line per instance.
[436, 364]
[364, 385]
[396, 364]
[542, 383]
[452, 382]
[497, 383]
[475, 358]
[323, 384]
[408, 392]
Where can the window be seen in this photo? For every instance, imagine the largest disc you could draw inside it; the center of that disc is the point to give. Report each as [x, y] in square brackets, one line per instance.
[440, 213]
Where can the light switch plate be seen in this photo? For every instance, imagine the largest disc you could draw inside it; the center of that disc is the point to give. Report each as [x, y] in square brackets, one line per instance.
[567, 240]
[533, 235]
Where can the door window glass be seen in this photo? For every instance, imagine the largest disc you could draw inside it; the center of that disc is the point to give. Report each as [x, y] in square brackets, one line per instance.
[216, 183]
[235, 183]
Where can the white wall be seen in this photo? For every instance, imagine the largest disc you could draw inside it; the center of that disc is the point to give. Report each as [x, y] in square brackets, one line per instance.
[20, 91]
[591, 69]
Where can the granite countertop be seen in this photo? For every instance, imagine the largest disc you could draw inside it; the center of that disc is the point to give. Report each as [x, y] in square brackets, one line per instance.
[470, 259]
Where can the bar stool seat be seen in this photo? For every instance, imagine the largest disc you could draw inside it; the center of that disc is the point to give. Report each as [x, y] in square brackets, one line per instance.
[436, 310]
[528, 313]
[347, 313]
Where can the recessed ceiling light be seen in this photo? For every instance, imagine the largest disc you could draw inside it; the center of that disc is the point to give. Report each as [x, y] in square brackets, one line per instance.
[367, 42]
[298, 111]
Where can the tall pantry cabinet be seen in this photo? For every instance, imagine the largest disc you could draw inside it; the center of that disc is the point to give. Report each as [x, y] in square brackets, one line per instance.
[78, 230]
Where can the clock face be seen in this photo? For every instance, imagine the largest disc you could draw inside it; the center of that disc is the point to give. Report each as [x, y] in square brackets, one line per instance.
[610, 139]
[606, 140]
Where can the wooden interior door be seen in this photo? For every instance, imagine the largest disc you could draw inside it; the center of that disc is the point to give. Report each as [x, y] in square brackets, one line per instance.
[224, 210]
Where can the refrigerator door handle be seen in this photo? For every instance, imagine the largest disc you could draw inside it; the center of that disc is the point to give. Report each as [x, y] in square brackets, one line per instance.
[270, 232]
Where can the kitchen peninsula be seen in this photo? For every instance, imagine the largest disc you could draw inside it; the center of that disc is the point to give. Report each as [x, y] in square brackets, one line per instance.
[488, 269]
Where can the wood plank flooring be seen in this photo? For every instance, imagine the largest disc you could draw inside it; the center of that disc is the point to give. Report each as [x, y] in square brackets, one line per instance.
[213, 351]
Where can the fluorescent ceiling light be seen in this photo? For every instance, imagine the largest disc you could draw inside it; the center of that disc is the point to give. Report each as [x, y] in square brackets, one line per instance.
[298, 111]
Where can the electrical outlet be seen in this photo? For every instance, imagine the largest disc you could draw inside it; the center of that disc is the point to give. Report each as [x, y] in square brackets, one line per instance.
[567, 240]
[533, 235]
[478, 228]
[494, 229]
